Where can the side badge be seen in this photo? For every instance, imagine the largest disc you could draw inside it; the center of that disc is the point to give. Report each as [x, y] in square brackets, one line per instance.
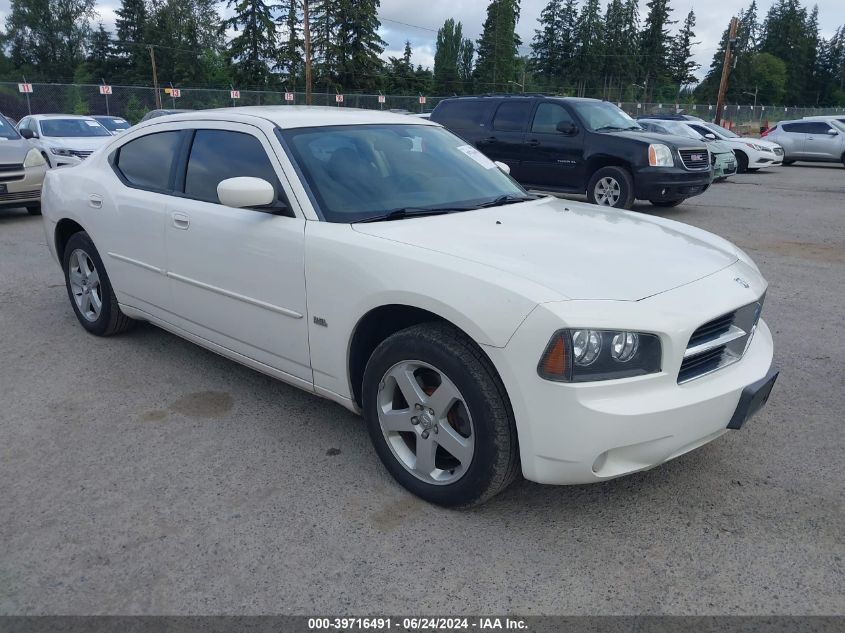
[321, 321]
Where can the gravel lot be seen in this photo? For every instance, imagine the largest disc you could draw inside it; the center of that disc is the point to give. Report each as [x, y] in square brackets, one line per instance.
[144, 475]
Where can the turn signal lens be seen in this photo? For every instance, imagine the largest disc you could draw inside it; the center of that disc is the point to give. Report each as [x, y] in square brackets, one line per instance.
[554, 363]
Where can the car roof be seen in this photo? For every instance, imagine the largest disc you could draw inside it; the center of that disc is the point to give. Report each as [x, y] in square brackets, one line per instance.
[291, 116]
[106, 116]
[60, 116]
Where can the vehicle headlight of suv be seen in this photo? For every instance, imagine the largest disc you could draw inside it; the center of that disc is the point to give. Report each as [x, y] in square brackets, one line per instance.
[582, 355]
[61, 151]
[660, 155]
[34, 159]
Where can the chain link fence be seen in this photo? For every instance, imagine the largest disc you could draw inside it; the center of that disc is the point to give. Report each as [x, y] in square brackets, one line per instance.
[132, 102]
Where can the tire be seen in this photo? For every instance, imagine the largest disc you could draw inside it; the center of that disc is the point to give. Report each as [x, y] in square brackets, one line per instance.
[88, 285]
[787, 163]
[478, 421]
[47, 160]
[741, 162]
[34, 209]
[667, 203]
[615, 180]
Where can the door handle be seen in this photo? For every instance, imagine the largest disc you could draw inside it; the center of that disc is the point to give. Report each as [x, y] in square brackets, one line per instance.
[489, 139]
[532, 142]
[180, 220]
[95, 200]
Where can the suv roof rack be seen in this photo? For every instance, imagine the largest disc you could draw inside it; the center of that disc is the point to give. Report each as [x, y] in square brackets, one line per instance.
[514, 94]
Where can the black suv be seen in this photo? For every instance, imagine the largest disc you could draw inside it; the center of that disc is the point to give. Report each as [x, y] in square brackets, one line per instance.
[576, 145]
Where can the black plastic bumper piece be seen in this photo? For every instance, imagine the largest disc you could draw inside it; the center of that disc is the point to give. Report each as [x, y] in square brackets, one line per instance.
[753, 397]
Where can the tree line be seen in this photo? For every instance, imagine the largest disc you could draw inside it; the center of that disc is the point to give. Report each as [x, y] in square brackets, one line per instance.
[580, 47]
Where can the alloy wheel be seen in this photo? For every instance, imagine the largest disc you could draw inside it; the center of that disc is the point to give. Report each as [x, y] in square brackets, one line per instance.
[425, 422]
[85, 285]
[607, 191]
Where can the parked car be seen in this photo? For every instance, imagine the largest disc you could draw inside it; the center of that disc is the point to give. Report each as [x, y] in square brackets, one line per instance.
[751, 154]
[113, 124]
[811, 140]
[153, 114]
[577, 146]
[22, 169]
[721, 155]
[63, 139]
[827, 117]
[379, 261]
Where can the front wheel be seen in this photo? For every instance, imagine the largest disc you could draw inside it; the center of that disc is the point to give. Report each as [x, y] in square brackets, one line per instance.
[611, 187]
[90, 290]
[34, 209]
[741, 162]
[667, 203]
[439, 417]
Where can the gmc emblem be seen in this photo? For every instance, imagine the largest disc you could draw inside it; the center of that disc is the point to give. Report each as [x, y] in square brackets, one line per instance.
[696, 157]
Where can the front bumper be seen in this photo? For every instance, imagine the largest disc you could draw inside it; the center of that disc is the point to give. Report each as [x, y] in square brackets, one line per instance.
[22, 188]
[573, 433]
[725, 165]
[670, 183]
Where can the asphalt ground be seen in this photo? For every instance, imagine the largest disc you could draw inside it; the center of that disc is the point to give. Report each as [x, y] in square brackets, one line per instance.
[141, 474]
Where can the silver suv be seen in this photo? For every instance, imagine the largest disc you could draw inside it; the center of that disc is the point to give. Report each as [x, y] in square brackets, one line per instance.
[810, 140]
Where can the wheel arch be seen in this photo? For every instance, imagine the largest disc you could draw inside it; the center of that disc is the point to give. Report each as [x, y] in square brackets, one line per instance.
[65, 228]
[598, 161]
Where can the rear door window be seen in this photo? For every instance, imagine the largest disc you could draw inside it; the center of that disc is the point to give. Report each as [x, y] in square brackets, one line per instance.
[511, 116]
[463, 114]
[146, 162]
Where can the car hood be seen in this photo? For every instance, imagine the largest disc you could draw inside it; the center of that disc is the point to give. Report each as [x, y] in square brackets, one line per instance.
[580, 251]
[644, 136]
[83, 143]
[742, 140]
[14, 151]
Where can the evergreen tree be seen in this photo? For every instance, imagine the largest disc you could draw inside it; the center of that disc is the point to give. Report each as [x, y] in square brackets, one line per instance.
[101, 61]
[589, 52]
[681, 65]
[291, 61]
[789, 34]
[654, 46]
[450, 41]
[361, 46]
[498, 47]
[615, 65]
[546, 54]
[256, 44]
[465, 65]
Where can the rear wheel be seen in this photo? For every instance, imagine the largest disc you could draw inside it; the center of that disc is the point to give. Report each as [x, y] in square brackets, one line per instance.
[439, 417]
[611, 187]
[89, 289]
[667, 203]
[741, 162]
[787, 163]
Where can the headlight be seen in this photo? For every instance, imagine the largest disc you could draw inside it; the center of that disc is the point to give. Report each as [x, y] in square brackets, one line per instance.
[660, 156]
[34, 159]
[759, 148]
[582, 355]
[60, 151]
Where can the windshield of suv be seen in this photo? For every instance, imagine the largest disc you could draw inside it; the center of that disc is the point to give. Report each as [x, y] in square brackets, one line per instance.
[7, 130]
[601, 116]
[360, 172]
[722, 131]
[72, 128]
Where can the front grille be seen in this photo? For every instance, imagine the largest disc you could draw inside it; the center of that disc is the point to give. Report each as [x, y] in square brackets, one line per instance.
[11, 177]
[778, 151]
[695, 158]
[18, 195]
[81, 153]
[13, 167]
[719, 342]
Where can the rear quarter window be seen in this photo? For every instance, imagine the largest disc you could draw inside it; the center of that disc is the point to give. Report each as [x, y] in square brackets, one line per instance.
[463, 114]
[146, 162]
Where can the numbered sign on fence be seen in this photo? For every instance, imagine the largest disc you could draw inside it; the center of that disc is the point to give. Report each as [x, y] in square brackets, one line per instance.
[381, 99]
[175, 92]
[288, 96]
[105, 90]
[24, 87]
[338, 98]
[422, 100]
[235, 94]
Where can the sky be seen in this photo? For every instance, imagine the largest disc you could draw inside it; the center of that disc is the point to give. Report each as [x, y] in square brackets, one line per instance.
[418, 21]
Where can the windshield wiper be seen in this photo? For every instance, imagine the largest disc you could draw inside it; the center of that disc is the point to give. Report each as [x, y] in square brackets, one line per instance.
[502, 200]
[405, 212]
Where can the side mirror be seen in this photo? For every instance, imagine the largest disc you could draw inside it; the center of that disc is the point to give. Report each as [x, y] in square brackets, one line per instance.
[26, 133]
[505, 168]
[245, 191]
[710, 136]
[566, 127]
[833, 132]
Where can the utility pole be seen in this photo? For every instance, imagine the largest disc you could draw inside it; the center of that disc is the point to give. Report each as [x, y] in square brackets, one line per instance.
[306, 36]
[726, 69]
[155, 78]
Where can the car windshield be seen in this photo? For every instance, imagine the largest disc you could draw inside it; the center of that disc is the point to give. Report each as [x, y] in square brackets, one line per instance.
[718, 129]
[601, 116]
[676, 128]
[112, 124]
[72, 128]
[7, 130]
[838, 125]
[361, 172]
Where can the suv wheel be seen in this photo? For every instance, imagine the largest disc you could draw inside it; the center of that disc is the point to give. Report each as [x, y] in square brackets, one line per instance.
[439, 417]
[611, 187]
[89, 288]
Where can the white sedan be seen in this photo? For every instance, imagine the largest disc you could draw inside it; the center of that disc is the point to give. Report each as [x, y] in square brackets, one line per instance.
[751, 153]
[380, 262]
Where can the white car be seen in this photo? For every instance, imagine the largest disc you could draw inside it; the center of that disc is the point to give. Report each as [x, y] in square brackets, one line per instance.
[751, 153]
[63, 139]
[379, 261]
